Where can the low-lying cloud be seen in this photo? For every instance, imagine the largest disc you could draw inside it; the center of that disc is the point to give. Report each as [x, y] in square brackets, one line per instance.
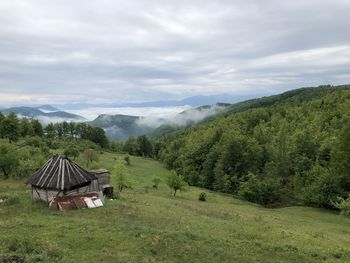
[91, 113]
[190, 116]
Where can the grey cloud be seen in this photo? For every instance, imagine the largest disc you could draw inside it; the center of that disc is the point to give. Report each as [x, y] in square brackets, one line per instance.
[112, 51]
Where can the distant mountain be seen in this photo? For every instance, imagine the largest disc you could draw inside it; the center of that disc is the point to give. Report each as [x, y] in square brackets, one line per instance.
[45, 117]
[47, 108]
[194, 101]
[120, 127]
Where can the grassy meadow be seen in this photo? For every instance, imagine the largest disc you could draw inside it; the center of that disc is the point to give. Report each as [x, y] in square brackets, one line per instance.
[150, 225]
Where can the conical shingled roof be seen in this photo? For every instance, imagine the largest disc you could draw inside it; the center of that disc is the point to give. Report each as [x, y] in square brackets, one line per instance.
[60, 173]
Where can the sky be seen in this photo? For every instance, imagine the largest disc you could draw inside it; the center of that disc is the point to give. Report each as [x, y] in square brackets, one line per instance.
[64, 51]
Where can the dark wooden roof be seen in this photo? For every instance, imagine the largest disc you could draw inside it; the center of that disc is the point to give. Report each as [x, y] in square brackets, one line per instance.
[60, 173]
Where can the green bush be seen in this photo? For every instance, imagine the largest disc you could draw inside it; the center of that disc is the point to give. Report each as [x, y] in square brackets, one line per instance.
[202, 197]
[35, 142]
[156, 182]
[321, 187]
[264, 192]
[127, 159]
[343, 205]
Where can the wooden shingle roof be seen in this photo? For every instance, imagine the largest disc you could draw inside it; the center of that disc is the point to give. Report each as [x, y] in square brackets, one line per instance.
[60, 173]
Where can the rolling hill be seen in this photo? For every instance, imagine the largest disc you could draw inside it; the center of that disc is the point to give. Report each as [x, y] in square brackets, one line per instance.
[120, 127]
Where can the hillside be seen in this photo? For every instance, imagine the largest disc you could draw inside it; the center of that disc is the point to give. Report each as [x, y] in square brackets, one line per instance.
[120, 127]
[274, 150]
[148, 225]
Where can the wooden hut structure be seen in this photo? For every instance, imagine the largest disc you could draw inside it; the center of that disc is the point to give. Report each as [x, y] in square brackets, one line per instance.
[61, 177]
[104, 182]
[103, 178]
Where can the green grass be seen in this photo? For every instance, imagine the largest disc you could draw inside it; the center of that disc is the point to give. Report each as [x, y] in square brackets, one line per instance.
[149, 225]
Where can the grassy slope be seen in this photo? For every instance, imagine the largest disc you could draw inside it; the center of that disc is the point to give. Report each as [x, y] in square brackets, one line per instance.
[148, 225]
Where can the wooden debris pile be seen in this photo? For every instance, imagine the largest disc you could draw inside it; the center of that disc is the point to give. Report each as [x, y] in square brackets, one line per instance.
[86, 200]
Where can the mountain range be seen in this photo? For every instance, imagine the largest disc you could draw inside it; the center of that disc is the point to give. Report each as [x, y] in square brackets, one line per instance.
[44, 113]
[194, 101]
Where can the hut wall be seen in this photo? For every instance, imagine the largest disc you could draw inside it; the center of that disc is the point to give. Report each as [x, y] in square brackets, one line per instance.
[46, 195]
[103, 179]
[43, 194]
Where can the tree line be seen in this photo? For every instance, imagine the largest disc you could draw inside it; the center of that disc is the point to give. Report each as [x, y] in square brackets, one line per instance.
[13, 128]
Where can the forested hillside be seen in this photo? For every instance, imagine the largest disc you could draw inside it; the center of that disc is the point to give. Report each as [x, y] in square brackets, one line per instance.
[293, 147]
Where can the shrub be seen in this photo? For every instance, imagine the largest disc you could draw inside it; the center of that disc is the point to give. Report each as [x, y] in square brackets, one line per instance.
[8, 159]
[127, 159]
[343, 205]
[264, 192]
[35, 142]
[156, 182]
[202, 197]
[71, 151]
[321, 187]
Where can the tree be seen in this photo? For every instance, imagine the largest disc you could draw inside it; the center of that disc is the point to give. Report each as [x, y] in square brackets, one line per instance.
[2, 118]
[37, 127]
[98, 136]
[321, 187]
[72, 151]
[90, 155]
[282, 154]
[122, 176]
[8, 159]
[50, 130]
[10, 127]
[144, 146]
[340, 157]
[131, 146]
[26, 128]
[176, 182]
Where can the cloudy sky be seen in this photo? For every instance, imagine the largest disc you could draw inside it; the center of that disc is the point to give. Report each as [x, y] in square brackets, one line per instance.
[131, 51]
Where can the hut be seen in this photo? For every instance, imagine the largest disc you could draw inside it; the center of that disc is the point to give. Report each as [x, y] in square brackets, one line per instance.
[61, 177]
[104, 181]
[103, 178]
